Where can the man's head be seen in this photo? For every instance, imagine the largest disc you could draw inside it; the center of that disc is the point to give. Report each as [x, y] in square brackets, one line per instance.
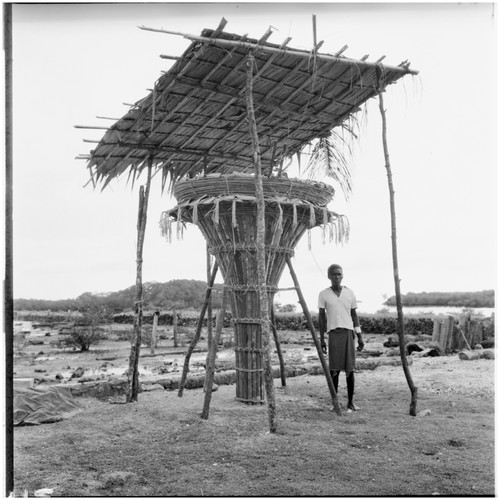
[335, 273]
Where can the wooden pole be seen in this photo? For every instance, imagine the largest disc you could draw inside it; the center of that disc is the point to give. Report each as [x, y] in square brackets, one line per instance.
[324, 364]
[196, 337]
[175, 324]
[314, 31]
[210, 366]
[261, 251]
[399, 306]
[9, 258]
[156, 315]
[209, 308]
[223, 42]
[133, 369]
[278, 347]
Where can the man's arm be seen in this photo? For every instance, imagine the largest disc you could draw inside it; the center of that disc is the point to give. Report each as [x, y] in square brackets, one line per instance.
[322, 327]
[357, 329]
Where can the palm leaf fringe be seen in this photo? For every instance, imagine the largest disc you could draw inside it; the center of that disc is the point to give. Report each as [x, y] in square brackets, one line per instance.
[331, 157]
[335, 225]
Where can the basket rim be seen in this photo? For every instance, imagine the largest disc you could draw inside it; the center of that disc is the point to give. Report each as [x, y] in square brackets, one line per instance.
[215, 185]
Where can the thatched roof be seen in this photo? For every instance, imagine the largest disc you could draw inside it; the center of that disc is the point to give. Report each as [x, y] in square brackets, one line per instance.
[195, 118]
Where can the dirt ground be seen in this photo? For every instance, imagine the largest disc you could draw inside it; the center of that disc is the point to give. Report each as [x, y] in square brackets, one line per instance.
[42, 359]
[160, 446]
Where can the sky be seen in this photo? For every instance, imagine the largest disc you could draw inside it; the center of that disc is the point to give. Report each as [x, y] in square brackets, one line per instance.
[74, 63]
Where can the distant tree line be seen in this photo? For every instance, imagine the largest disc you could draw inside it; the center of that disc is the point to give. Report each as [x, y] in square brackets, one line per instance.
[485, 298]
[180, 293]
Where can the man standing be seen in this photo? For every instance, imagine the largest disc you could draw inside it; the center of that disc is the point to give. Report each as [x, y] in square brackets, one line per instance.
[337, 316]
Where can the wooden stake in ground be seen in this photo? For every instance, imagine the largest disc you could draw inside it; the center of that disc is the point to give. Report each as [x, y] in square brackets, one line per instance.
[196, 337]
[133, 372]
[156, 315]
[399, 306]
[209, 308]
[261, 250]
[175, 325]
[212, 353]
[317, 343]
[278, 347]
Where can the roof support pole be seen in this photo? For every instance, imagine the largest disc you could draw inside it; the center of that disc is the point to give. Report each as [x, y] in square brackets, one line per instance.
[133, 371]
[399, 306]
[261, 251]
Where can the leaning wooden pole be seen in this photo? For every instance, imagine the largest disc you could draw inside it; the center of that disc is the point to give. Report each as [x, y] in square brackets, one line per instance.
[133, 367]
[196, 337]
[261, 251]
[317, 343]
[278, 347]
[212, 353]
[399, 306]
[209, 307]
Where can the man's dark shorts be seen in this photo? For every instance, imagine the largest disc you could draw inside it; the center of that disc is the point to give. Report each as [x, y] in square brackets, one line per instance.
[341, 350]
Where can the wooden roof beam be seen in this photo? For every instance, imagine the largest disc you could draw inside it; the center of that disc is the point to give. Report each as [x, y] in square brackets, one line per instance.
[341, 51]
[267, 48]
[174, 58]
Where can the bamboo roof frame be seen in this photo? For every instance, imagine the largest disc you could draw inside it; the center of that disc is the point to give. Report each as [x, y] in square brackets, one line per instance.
[194, 119]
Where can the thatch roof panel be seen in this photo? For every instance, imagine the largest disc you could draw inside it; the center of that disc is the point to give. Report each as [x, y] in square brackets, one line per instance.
[195, 118]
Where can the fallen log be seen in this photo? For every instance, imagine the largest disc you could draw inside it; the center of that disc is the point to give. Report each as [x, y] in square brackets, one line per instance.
[366, 353]
[431, 352]
[468, 355]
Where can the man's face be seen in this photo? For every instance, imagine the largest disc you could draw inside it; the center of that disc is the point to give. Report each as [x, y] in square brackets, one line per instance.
[336, 275]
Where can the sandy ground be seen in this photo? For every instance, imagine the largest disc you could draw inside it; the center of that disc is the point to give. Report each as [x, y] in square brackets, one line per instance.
[160, 446]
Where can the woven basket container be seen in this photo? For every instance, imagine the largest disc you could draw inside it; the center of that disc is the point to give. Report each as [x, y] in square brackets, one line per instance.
[217, 185]
[225, 210]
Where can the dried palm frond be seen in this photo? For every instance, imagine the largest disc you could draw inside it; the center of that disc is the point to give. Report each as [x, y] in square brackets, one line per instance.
[332, 157]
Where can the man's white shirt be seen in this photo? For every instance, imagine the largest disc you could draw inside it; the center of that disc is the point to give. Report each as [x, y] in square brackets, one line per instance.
[338, 308]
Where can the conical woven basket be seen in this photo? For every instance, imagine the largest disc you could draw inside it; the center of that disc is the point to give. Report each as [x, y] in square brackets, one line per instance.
[225, 210]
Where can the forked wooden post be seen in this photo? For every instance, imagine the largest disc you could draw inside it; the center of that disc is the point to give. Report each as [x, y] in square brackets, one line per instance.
[212, 353]
[133, 369]
[196, 337]
[317, 343]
